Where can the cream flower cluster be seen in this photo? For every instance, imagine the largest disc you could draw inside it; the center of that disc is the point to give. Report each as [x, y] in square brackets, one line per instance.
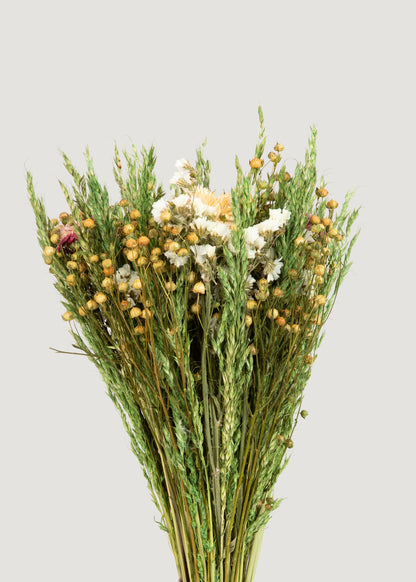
[187, 209]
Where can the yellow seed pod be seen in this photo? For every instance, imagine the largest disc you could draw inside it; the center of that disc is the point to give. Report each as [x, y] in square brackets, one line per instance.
[91, 305]
[192, 237]
[124, 305]
[191, 277]
[49, 251]
[156, 251]
[332, 204]
[287, 177]
[106, 263]
[135, 312]
[128, 229]
[94, 259]
[67, 316]
[132, 254]
[137, 284]
[139, 330]
[199, 288]
[273, 157]
[195, 308]
[48, 260]
[321, 192]
[280, 439]
[289, 444]
[280, 321]
[319, 280]
[295, 328]
[309, 360]
[88, 223]
[123, 287]
[256, 163]
[82, 311]
[82, 267]
[279, 147]
[152, 233]
[320, 299]
[107, 283]
[54, 238]
[248, 320]
[63, 217]
[71, 265]
[277, 292]
[165, 216]
[100, 297]
[272, 313]
[182, 252]
[54, 221]
[131, 243]
[170, 286]
[124, 202]
[293, 274]
[333, 233]
[216, 315]
[299, 241]
[142, 261]
[174, 246]
[251, 304]
[135, 214]
[262, 284]
[71, 280]
[108, 271]
[319, 270]
[315, 219]
[327, 222]
[158, 265]
[146, 313]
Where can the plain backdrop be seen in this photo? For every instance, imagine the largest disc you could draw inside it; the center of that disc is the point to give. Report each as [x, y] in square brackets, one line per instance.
[73, 502]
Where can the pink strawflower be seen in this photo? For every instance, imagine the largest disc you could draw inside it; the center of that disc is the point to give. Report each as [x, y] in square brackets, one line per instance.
[67, 236]
[309, 225]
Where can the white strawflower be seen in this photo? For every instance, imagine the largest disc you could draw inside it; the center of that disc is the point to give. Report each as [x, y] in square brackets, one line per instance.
[277, 219]
[174, 259]
[272, 270]
[203, 253]
[279, 215]
[249, 283]
[182, 172]
[200, 223]
[160, 206]
[218, 229]
[181, 200]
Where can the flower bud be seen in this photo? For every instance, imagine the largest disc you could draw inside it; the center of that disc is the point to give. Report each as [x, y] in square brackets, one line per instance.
[320, 270]
[135, 214]
[332, 204]
[278, 147]
[273, 157]
[72, 265]
[131, 243]
[124, 202]
[100, 297]
[132, 254]
[88, 223]
[289, 443]
[67, 316]
[174, 246]
[143, 241]
[199, 288]
[256, 163]
[304, 413]
[128, 229]
[63, 217]
[248, 320]
[321, 192]
[135, 312]
[272, 313]
[49, 251]
[320, 299]
[165, 216]
[299, 241]
[170, 286]
[327, 222]
[251, 304]
[71, 280]
[192, 237]
[91, 305]
[315, 219]
[142, 261]
[106, 263]
[182, 252]
[94, 259]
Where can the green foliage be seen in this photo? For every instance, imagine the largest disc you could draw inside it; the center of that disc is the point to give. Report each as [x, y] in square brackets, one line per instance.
[208, 378]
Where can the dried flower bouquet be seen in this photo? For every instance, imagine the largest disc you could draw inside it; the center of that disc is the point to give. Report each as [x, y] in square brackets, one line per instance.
[203, 314]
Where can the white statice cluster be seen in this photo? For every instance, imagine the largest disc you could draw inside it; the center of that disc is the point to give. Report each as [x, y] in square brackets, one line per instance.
[192, 208]
[182, 175]
[126, 274]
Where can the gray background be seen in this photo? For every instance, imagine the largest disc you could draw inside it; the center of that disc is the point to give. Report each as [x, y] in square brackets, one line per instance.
[73, 502]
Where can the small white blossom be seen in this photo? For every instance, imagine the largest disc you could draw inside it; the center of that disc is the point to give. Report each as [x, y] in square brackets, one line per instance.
[182, 172]
[218, 229]
[203, 253]
[174, 259]
[272, 270]
[123, 273]
[161, 206]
